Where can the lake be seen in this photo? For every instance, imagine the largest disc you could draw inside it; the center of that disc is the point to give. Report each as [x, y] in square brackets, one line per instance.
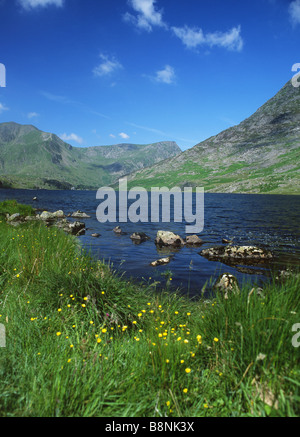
[267, 221]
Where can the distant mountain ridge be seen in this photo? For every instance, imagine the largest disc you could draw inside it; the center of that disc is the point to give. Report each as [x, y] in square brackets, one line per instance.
[31, 158]
[260, 155]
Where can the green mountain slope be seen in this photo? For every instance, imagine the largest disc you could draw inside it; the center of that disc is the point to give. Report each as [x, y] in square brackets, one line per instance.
[260, 155]
[31, 158]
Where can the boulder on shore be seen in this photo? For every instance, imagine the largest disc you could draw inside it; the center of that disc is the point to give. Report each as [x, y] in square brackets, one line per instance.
[227, 283]
[14, 217]
[46, 215]
[166, 238]
[76, 228]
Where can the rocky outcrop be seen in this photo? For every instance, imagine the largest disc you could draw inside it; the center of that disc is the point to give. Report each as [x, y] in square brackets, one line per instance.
[166, 238]
[252, 157]
[237, 253]
[56, 218]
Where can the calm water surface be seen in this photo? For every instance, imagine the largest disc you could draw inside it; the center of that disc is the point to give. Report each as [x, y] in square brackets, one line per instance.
[268, 221]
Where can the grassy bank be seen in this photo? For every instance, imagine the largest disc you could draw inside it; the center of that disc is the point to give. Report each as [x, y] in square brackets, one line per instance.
[81, 341]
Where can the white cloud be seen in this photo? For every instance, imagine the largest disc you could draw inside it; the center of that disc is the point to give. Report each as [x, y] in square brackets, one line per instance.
[194, 37]
[31, 4]
[32, 115]
[124, 136]
[112, 135]
[3, 108]
[108, 66]
[71, 137]
[147, 16]
[294, 11]
[167, 75]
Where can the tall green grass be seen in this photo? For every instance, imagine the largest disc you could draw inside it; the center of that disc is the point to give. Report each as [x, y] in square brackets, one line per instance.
[82, 341]
[11, 207]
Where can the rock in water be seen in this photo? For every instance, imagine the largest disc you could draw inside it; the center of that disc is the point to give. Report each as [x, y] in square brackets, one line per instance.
[139, 237]
[246, 253]
[80, 214]
[225, 241]
[161, 262]
[193, 240]
[166, 238]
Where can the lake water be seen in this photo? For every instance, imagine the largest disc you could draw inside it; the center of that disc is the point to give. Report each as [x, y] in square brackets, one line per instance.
[267, 221]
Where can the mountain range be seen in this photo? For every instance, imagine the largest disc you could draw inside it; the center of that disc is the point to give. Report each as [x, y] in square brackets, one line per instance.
[260, 155]
[31, 158]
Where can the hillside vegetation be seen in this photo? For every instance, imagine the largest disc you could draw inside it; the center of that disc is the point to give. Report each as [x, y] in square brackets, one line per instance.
[30, 158]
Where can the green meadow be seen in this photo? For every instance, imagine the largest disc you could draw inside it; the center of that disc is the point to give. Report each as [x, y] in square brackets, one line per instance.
[84, 341]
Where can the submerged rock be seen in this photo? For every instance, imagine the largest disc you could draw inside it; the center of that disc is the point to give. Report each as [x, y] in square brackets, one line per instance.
[161, 261]
[166, 238]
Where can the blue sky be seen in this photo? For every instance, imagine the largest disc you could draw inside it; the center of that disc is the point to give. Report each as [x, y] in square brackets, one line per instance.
[99, 72]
